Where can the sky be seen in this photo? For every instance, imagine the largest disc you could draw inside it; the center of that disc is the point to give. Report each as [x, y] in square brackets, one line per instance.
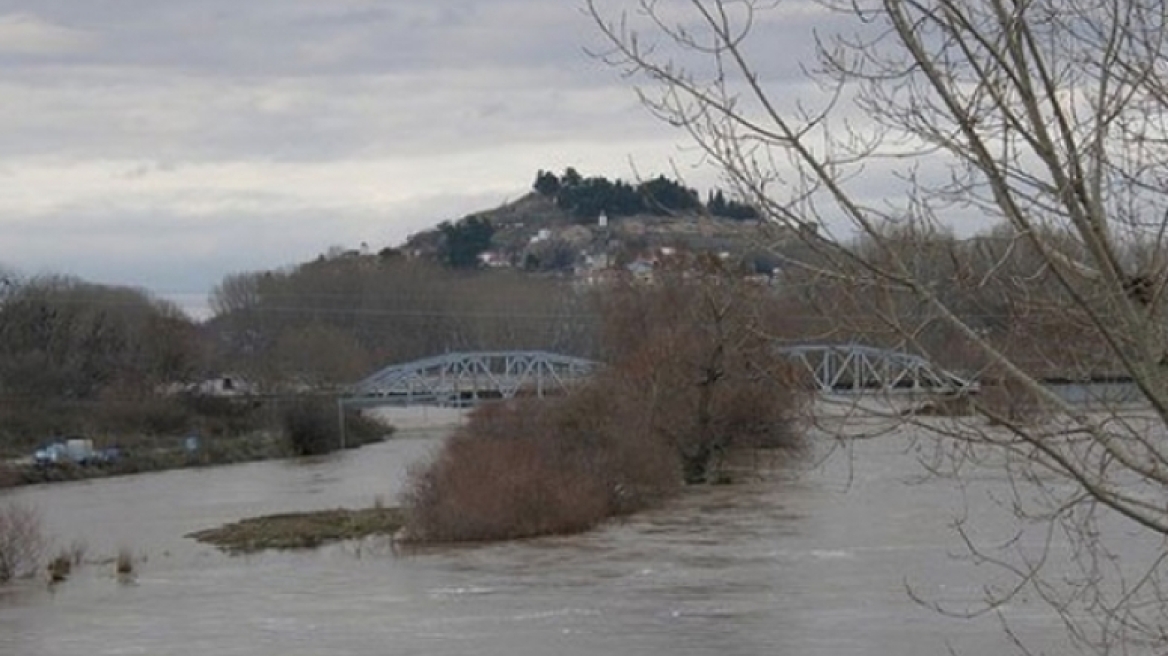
[164, 145]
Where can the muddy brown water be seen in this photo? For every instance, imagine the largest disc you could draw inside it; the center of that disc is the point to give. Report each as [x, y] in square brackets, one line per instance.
[810, 560]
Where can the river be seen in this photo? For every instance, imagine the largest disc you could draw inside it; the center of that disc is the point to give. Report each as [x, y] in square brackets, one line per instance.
[806, 560]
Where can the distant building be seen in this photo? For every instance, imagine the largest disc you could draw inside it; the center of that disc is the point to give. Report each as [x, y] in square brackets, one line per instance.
[641, 269]
[494, 259]
[225, 385]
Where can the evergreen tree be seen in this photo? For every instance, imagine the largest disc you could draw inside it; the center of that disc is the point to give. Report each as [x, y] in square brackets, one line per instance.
[464, 241]
[546, 184]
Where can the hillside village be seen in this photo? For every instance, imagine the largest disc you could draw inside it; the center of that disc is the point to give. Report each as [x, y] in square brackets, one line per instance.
[594, 230]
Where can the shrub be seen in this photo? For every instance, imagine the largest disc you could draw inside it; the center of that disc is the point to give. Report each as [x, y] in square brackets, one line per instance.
[124, 563]
[690, 379]
[311, 427]
[122, 410]
[534, 467]
[21, 542]
[361, 430]
[60, 567]
[483, 490]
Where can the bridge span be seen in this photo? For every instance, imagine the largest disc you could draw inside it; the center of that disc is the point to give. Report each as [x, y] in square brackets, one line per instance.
[466, 379]
[855, 368]
[463, 379]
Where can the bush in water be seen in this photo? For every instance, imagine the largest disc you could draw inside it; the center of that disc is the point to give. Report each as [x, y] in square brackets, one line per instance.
[21, 542]
[691, 377]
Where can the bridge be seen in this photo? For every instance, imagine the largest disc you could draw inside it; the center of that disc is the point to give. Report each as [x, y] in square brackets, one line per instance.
[854, 368]
[466, 379]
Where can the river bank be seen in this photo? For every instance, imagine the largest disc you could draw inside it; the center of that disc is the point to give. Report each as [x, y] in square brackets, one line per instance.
[154, 454]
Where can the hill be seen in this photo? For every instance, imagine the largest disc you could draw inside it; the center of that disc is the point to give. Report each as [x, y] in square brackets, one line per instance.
[571, 223]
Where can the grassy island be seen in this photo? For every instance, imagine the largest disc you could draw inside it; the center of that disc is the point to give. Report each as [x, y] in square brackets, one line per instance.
[301, 530]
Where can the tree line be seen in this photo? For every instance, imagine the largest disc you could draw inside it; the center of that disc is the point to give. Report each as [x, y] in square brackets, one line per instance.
[68, 346]
[585, 198]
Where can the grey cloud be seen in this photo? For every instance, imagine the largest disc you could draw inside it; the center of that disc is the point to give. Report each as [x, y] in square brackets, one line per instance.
[162, 88]
[310, 80]
[277, 37]
[172, 253]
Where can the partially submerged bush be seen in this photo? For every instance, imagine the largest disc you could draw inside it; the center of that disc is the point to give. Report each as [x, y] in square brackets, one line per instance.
[688, 382]
[60, 567]
[528, 468]
[301, 530]
[312, 427]
[124, 563]
[22, 544]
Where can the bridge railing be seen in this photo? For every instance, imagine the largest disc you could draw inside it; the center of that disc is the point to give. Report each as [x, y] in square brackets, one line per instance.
[854, 368]
[463, 379]
[468, 378]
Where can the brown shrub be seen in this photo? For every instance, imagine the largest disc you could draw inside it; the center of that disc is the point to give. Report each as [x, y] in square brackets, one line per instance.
[311, 427]
[60, 567]
[691, 377]
[21, 542]
[532, 467]
[483, 489]
[124, 563]
[123, 410]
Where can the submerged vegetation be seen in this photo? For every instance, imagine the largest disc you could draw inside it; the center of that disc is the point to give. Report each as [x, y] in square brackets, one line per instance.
[22, 543]
[302, 530]
[691, 379]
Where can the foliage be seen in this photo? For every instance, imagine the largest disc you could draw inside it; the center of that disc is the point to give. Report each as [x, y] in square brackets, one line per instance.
[546, 183]
[60, 567]
[689, 380]
[529, 468]
[22, 544]
[664, 196]
[717, 205]
[312, 426]
[64, 338]
[78, 358]
[699, 346]
[302, 530]
[464, 241]
[586, 198]
[124, 563]
[340, 318]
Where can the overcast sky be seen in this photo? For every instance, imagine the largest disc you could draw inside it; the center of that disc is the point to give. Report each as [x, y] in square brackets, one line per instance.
[166, 144]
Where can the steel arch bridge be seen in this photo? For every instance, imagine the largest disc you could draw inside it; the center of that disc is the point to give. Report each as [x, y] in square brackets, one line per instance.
[464, 379]
[853, 368]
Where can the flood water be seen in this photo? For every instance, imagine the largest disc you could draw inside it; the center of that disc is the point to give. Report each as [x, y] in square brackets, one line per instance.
[809, 560]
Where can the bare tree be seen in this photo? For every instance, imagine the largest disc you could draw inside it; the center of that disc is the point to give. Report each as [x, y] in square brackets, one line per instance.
[1046, 117]
[21, 542]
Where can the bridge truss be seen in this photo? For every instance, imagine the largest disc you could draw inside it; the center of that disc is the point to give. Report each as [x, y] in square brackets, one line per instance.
[464, 379]
[857, 368]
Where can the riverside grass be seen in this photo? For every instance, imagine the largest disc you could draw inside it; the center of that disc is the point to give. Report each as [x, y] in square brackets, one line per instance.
[302, 530]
